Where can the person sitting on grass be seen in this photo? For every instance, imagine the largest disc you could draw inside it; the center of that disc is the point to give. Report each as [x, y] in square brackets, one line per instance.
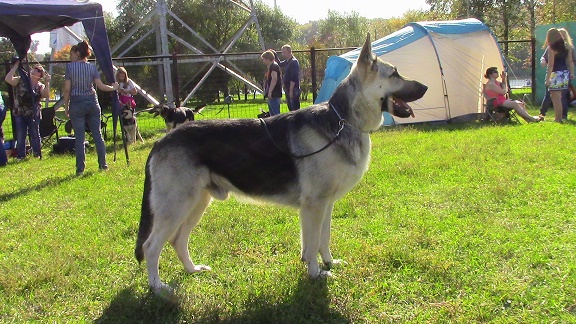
[494, 89]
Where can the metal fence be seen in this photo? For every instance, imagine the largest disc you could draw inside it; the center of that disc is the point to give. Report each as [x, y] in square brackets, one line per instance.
[210, 79]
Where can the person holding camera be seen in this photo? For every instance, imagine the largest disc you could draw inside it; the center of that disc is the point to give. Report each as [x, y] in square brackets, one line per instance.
[26, 110]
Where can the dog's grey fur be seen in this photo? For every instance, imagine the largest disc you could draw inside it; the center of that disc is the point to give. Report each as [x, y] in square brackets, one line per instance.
[280, 160]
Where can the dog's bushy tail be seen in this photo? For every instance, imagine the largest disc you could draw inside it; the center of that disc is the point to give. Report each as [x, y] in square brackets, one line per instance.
[146, 216]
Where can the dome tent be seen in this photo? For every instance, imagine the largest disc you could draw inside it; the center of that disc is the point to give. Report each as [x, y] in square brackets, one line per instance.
[450, 57]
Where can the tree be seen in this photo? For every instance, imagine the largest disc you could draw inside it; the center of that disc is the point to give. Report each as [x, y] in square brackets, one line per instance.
[342, 30]
[58, 70]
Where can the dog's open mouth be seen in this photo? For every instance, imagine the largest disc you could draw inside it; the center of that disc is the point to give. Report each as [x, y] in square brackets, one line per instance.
[397, 107]
[401, 108]
[397, 102]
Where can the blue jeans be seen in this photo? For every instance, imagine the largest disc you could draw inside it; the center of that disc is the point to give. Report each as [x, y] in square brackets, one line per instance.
[293, 102]
[27, 125]
[86, 110]
[3, 157]
[274, 106]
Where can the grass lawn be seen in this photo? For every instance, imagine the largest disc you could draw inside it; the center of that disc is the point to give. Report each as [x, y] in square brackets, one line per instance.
[452, 223]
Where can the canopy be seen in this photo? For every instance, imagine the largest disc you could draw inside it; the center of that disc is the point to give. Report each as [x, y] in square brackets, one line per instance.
[19, 19]
[450, 57]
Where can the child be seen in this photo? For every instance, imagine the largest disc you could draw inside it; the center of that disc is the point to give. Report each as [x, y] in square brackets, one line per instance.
[127, 89]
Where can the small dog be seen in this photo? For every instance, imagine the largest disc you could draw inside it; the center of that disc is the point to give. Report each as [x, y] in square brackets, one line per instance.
[130, 124]
[176, 116]
[306, 159]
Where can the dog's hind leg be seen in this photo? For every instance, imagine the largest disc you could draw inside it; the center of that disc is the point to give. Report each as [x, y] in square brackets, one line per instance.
[170, 213]
[152, 249]
[312, 216]
[180, 240]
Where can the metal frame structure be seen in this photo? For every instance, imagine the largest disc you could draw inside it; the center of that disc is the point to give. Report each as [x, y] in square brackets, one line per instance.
[162, 33]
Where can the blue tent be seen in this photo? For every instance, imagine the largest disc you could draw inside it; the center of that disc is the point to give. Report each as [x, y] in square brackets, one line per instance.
[450, 57]
[19, 19]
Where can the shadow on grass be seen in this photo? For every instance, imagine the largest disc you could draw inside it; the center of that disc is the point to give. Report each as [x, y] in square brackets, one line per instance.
[128, 307]
[309, 303]
[448, 126]
[47, 183]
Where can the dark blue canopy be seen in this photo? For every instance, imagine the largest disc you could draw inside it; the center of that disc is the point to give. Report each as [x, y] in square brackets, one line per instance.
[21, 18]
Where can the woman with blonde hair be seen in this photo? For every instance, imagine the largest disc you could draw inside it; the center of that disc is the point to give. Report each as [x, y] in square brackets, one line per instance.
[566, 36]
[559, 70]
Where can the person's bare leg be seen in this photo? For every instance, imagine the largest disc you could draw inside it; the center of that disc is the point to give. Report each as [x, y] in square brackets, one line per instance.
[556, 96]
[519, 110]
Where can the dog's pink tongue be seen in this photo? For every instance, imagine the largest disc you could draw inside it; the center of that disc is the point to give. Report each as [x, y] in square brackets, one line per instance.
[401, 103]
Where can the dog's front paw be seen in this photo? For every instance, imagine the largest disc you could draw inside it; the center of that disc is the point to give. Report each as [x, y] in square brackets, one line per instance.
[334, 263]
[324, 274]
[200, 268]
[319, 274]
[164, 291]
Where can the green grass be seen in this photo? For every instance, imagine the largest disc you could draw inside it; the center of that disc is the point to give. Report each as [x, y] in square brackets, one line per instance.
[452, 223]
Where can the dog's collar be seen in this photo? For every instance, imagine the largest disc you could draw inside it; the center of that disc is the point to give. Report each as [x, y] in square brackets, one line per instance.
[343, 122]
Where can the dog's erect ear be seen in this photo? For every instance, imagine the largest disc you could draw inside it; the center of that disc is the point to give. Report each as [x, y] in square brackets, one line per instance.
[366, 56]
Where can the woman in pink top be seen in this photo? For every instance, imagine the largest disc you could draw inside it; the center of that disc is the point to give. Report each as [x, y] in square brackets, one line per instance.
[495, 89]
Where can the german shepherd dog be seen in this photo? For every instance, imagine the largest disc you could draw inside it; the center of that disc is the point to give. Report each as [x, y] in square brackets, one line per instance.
[306, 159]
[175, 116]
[130, 124]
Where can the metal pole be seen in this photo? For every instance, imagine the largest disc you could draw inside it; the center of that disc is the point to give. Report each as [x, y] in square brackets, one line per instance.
[313, 71]
[176, 88]
[161, 9]
[533, 63]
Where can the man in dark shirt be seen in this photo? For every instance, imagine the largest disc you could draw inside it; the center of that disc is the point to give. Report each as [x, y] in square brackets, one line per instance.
[291, 78]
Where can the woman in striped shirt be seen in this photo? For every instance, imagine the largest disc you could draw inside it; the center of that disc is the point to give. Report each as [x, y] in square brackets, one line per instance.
[81, 104]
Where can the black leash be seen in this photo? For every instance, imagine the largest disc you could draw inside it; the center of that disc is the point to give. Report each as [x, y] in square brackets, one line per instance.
[341, 122]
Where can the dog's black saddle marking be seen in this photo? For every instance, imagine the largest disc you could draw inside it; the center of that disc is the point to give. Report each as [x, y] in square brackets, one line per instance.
[263, 123]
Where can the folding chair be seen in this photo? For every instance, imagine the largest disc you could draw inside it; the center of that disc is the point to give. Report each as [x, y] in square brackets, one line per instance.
[49, 125]
[103, 124]
[499, 114]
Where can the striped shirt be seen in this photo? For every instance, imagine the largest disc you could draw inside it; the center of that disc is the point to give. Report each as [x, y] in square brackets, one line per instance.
[82, 75]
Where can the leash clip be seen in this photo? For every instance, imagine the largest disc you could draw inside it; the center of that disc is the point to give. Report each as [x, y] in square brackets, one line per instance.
[342, 123]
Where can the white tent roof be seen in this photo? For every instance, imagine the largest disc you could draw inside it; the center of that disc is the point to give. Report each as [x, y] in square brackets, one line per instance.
[450, 57]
